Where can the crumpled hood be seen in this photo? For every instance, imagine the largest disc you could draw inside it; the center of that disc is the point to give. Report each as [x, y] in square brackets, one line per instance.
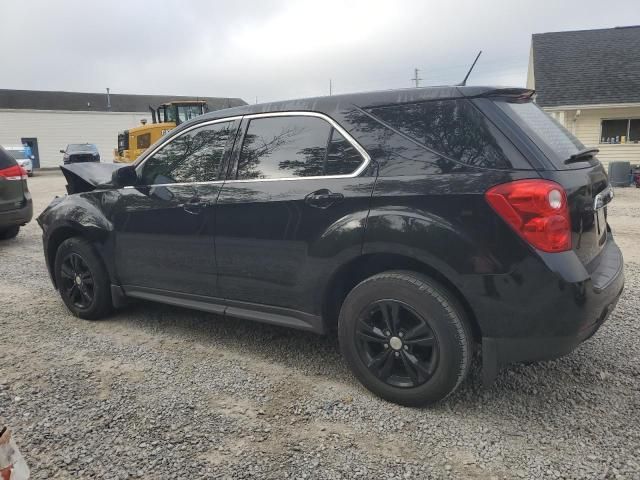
[84, 177]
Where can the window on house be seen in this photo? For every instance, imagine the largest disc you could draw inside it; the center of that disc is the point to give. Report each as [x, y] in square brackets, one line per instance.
[621, 130]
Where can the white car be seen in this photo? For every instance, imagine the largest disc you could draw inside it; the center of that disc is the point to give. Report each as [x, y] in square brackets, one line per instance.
[19, 152]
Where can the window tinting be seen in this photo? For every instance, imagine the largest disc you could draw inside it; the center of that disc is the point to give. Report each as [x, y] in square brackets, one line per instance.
[281, 147]
[553, 139]
[192, 157]
[143, 141]
[454, 128]
[342, 157]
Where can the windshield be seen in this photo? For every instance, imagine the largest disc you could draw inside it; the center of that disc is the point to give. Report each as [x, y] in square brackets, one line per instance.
[81, 147]
[187, 112]
[17, 154]
[556, 142]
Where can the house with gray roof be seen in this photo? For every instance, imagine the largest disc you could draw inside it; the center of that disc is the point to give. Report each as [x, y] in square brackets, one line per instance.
[589, 80]
[48, 121]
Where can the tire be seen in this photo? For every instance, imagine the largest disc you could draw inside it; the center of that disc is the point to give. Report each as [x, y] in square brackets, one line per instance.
[430, 347]
[76, 261]
[9, 233]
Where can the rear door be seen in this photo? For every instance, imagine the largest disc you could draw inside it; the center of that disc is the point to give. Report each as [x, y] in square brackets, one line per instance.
[583, 177]
[296, 200]
[11, 183]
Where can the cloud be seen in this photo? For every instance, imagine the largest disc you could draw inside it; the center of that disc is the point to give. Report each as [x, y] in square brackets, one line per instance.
[278, 49]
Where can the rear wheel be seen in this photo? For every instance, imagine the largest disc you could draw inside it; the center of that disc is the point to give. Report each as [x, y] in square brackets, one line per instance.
[405, 337]
[82, 279]
[8, 233]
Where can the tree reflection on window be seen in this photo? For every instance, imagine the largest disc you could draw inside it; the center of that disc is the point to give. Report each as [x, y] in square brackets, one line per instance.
[296, 146]
[454, 128]
[192, 157]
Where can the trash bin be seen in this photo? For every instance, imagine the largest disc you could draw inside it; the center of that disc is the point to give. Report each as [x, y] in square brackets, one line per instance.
[619, 174]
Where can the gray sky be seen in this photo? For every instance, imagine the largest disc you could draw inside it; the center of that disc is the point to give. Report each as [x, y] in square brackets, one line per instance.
[278, 49]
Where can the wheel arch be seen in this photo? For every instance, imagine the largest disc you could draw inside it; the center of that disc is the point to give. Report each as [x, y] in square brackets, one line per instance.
[65, 231]
[358, 269]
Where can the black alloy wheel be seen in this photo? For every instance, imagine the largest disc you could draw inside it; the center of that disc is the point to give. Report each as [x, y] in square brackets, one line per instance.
[77, 281]
[397, 344]
[82, 279]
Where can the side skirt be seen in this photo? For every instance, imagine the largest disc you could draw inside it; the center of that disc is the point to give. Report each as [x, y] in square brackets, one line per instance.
[229, 308]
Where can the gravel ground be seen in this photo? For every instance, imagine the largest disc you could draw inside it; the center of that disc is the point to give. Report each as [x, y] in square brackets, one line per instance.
[162, 392]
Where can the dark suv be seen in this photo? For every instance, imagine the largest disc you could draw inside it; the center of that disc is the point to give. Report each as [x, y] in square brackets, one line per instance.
[15, 200]
[420, 224]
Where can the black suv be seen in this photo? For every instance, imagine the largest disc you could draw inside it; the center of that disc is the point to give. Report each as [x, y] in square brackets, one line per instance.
[16, 208]
[420, 224]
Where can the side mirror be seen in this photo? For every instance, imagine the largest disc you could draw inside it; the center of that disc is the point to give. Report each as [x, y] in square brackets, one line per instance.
[124, 177]
[62, 151]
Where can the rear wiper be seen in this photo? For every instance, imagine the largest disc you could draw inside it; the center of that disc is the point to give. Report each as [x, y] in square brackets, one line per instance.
[581, 155]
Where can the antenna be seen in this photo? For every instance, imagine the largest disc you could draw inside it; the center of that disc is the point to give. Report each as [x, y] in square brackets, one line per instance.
[464, 82]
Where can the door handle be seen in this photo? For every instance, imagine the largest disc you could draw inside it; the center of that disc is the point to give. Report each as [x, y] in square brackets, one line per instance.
[323, 198]
[193, 206]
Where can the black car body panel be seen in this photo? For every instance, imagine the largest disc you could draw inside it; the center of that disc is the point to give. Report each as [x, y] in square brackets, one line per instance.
[274, 249]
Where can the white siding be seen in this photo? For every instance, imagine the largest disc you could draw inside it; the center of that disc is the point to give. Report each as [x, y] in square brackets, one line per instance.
[55, 129]
[586, 126]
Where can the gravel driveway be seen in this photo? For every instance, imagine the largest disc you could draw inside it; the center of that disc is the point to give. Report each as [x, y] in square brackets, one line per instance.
[163, 392]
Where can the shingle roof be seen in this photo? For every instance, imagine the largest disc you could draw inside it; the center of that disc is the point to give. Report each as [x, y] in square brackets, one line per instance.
[587, 67]
[97, 102]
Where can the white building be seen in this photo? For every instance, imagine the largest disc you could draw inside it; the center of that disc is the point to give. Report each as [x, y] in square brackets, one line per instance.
[589, 80]
[48, 121]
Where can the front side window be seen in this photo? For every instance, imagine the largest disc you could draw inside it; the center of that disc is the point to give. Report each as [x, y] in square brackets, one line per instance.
[620, 131]
[295, 146]
[194, 156]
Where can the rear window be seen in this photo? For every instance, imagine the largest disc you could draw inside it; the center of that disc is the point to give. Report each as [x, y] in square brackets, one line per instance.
[453, 128]
[6, 160]
[555, 141]
[17, 154]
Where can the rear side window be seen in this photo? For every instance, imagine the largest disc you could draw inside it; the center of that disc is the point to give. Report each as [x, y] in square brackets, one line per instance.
[6, 160]
[194, 156]
[453, 128]
[557, 143]
[295, 146]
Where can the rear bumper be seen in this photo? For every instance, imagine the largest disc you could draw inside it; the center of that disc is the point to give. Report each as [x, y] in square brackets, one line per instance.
[569, 318]
[21, 216]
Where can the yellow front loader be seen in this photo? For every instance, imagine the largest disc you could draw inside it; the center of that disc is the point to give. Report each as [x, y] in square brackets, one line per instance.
[132, 142]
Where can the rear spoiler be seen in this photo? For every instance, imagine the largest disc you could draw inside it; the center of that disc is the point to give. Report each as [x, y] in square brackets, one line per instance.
[512, 93]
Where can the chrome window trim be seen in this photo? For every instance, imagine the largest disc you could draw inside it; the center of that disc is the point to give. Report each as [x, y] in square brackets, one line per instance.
[363, 153]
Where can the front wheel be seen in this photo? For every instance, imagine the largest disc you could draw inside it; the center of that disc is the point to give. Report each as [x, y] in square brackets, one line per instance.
[405, 337]
[82, 279]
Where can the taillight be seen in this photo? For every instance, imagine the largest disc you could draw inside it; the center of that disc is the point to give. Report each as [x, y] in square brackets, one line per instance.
[537, 210]
[15, 172]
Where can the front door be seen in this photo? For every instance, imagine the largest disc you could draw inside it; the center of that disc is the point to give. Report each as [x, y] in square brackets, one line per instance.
[295, 202]
[163, 227]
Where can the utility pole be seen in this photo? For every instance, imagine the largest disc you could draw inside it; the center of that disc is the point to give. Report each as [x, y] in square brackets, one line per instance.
[415, 78]
[330, 88]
